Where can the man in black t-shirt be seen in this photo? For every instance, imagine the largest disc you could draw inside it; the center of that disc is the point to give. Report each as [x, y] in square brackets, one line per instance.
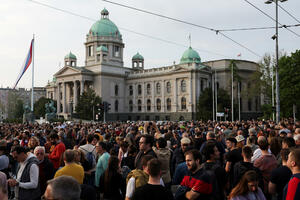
[280, 176]
[233, 156]
[153, 189]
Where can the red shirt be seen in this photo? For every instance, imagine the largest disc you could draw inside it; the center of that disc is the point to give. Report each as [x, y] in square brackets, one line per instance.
[55, 155]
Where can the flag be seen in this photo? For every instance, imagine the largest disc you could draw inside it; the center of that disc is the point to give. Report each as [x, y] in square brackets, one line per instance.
[26, 64]
[239, 55]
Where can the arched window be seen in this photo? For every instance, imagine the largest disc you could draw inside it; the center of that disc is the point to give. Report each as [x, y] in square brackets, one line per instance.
[158, 88]
[130, 90]
[148, 89]
[183, 86]
[139, 105]
[130, 106]
[116, 106]
[139, 90]
[183, 103]
[158, 104]
[148, 105]
[168, 104]
[168, 87]
[116, 90]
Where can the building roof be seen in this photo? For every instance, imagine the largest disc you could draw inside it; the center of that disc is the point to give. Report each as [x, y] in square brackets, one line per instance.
[137, 56]
[70, 55]
[104, 27]
[190, 56]
[102, 48]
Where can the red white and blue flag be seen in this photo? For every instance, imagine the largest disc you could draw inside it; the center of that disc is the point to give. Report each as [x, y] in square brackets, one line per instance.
[26, 64]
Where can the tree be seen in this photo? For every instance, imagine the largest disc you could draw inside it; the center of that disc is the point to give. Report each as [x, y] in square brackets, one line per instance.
[204, 105]
[87, 104]
[289, 83]
[40, 108]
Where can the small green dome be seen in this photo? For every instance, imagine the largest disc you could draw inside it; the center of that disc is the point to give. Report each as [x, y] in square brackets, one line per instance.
[104, 27]
[70, 55]
[190, 56]
[102, 48]
[137, 56]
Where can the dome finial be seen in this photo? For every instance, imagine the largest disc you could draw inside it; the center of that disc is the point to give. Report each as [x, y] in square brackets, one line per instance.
[104, 13]
[190, 39]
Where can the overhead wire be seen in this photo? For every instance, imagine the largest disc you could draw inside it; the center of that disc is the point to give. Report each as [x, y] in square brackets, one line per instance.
[185, 22]
[270, 17]
[288, 13]
[125, 29]
[257, 28]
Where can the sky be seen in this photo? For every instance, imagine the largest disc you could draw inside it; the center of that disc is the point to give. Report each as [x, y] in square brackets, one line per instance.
[161, 41]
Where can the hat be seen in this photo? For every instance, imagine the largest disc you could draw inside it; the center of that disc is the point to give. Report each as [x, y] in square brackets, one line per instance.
[185, 140]
[182, 127]
[239, 138]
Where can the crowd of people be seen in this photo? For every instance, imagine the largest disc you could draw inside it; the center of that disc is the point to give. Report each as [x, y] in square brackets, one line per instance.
[242, 160]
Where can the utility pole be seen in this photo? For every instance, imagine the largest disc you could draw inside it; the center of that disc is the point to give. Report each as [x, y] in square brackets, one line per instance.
[232, 93]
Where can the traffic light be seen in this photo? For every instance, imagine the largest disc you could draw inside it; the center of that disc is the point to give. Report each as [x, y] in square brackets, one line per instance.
[106, 106]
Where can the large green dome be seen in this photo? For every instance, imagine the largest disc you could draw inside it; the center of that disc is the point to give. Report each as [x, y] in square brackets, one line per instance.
[190, 56]
[104, 27]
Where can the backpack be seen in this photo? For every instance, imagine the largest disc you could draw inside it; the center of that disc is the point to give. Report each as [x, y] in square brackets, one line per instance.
[216, 188]
[90, 157]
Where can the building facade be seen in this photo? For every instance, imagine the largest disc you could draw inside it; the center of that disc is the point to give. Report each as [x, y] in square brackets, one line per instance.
[136, 93]
[9, 96]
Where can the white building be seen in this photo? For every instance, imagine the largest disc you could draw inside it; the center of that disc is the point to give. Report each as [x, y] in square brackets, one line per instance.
[136, 93]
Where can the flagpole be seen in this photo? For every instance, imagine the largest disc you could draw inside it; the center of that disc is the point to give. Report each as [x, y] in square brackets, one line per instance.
[32, 75]
[216, 90]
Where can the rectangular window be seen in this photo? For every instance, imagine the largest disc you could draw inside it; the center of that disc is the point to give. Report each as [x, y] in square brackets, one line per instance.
[116, 51]
[91, 50]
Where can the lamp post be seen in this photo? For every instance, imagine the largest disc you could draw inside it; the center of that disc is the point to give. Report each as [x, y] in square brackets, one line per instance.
[276, 66]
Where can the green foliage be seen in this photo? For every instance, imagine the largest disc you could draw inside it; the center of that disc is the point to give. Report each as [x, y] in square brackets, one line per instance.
[39, 107]
[267, 111]
[234, 69]
[86, 103]
[204, 105]
[261, 79]
[289, 84]
[19, 110]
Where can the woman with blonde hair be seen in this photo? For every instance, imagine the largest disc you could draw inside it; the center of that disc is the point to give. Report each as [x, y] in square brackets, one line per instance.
[247, 188]
[32, 143]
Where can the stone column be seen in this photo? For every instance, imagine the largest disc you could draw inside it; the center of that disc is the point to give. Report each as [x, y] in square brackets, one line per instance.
[64, 97]
[81, 86]
[163, 96]
[75, 98]
[134, 103]
[153, 99]
[58, 98]
[143, 97]
[191, 94]
[175, 96]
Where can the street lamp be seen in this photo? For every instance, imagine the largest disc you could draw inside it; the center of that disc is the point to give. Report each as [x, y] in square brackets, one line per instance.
[276, 66]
